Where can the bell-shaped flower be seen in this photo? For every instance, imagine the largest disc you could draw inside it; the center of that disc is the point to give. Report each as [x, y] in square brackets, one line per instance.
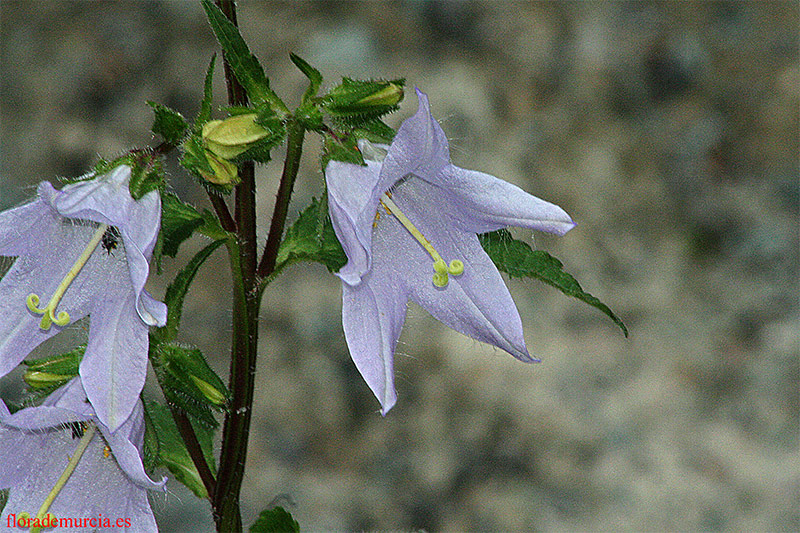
[84, 250]
[408, 222]
[65, 467]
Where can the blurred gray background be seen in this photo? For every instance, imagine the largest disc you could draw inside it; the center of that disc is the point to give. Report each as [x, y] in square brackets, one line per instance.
[669, 131]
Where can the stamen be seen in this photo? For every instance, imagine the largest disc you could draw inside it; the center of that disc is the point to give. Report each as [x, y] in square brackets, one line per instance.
[73, 463]
[49, 312]
[441, 269]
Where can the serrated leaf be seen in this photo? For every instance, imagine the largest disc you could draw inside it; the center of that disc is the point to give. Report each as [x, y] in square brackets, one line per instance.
[243, 63]
[311, 238]
[211, 227]
[176, 292]
[188, 382]
[376, 131]
[169, 124]
[517, 259]
[314, 76]
[275, 520]
[172, 452]
[178, 221]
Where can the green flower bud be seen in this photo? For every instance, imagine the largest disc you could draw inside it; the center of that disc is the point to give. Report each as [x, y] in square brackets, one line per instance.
[43, 380]
[225, 172]
[232, 136]
[209, 391]
[389, 95]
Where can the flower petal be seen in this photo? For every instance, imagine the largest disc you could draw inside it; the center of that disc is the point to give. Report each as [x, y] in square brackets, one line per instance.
[481, 202]
[126, 444]
[107, 200]
[372, 318]
[114, 366]
[48, 252]
[17, 224]
[349, 196]
[476, 302]
[65, 405]
[420, 148]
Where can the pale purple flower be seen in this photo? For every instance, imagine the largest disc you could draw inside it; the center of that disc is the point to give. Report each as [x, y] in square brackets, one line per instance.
[401, 220]
[49, 236]
[109, 480]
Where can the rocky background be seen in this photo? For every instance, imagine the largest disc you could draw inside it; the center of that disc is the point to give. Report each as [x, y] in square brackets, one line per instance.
[669, 131]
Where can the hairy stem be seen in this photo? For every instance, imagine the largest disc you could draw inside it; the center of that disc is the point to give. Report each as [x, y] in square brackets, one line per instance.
[189, 437]
[294, 150]
[243, 256]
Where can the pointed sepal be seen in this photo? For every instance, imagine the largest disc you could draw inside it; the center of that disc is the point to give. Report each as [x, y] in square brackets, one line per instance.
[311, 238]
[168, 123]
[165, 447]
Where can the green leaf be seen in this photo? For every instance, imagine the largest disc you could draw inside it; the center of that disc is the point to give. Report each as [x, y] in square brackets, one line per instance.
[518, 260]
[208, 92]
[147, 174]
[150, 444]
[313, 75]
[168, 123]
[243, 63]
[343, 148]
[178, 221]
[172, 452]
[275, 520]
[376, 131]
[211, 227]
[176, 292]
[311, 238]
[188, 382]
[193, 158]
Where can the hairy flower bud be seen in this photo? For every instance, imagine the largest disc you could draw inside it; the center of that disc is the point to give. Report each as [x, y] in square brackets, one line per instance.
[233, 136]
[213, 394]
[389, 95]
[43, 380]
[225, 172]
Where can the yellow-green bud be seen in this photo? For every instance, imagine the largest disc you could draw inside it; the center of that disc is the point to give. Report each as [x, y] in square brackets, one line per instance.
[225, 172]
[209, 391]
[232, 136]
[389, 95]
[42, 380]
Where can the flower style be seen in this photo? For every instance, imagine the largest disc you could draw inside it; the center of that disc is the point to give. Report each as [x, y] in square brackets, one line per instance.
[400, 219]
[56, 463]
[84, 250]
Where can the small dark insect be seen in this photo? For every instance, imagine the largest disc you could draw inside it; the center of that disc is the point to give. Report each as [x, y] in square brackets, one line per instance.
[110, 239]
[77, 429]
